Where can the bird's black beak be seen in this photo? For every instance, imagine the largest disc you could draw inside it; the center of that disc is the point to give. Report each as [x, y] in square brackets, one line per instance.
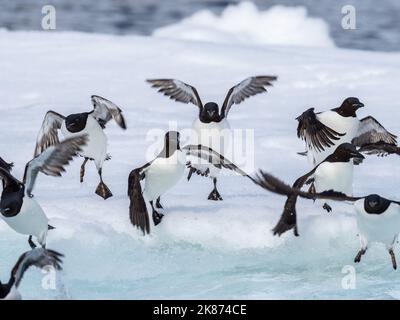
[358, 105]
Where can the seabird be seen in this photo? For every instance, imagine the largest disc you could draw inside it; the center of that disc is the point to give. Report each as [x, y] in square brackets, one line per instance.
[90, 123]
[39, 258]
[378, 218]
[323, 131]
[211, 128]
[334, 173]
[18, 206]
[162, 173]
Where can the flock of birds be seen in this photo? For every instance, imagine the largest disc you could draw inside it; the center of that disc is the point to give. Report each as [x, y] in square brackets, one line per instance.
[335, 141]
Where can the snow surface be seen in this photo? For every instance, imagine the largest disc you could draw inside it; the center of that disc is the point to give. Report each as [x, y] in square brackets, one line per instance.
[202, 249]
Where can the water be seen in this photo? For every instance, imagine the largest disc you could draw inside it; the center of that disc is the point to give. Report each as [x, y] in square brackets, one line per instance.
[378, 24]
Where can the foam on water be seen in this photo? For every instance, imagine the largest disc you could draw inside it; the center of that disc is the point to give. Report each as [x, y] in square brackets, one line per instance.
[246, 24]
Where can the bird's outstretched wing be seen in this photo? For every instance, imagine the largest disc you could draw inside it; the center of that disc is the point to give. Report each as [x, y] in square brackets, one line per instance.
[48, 134]
[247, 88]
[104, 110]
[212, 157]
[314, 132]
[370, 131]
[138, 213]
[5, 165]
[177, 90]
[39, 258]
[288, 218]
[53, 160]
[275, 185]
[381, 149]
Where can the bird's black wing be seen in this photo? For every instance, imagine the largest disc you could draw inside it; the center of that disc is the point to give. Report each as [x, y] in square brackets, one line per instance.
[104, 110]
[10, 182]
[370, 132]
[288, 217]
[5, 165]
[314, 132]
[138, 213]
[212, 157]
[381, 149]
[39, 258]
[177, 90]
[48, 134]
[53, 160]
[245, 89]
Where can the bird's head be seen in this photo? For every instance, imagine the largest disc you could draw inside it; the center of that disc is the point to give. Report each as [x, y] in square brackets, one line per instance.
[349, 107]
[347, 151]
[11, 202]
[373, 200]
[210, 112]
[76, 122]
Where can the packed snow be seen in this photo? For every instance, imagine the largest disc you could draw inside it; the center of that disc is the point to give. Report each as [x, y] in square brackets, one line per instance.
[202, 249]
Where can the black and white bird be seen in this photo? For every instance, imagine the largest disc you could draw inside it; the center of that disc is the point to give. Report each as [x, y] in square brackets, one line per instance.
[378, 218]
[324, 131]
[211, 128]
[39, 258]
[18, 206]
[90, 123]
[334, 173]
[162, 173]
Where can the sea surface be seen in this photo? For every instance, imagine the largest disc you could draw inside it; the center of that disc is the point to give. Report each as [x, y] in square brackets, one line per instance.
[378, 23]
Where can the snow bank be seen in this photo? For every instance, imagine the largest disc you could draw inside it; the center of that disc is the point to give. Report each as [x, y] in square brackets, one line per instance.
[246, 24]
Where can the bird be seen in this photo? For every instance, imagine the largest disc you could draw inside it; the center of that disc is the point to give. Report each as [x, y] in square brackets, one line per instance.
[18, 207]
[162, 173]
[38, 257]
[378, 218]
[91, 123]
[323, 131]
[211, 128]
[335, 172]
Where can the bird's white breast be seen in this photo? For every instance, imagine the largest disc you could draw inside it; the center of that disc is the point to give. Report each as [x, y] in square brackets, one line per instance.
[96, 147]
[347, 125]
[336, 176]
[163, 174]
[31, 220]
[383, 228]
[217, 136]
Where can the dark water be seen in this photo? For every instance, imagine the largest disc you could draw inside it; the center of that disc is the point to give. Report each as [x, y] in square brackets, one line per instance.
[378, 22]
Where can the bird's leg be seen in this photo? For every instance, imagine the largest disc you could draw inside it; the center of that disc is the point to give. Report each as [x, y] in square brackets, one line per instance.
[83, 168]
[158, 203]
[360, 254]
[394, 264]
[327, 207]
[157, 217]
[214, 195]
[102, 190]
[31, 243]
